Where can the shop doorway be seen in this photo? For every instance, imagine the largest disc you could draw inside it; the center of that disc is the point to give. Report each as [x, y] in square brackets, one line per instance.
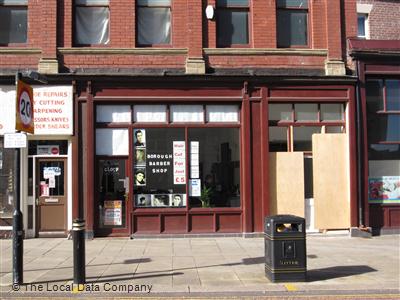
[51, 200]
[112, 197]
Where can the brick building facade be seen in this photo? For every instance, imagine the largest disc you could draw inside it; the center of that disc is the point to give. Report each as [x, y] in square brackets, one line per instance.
[265, 81]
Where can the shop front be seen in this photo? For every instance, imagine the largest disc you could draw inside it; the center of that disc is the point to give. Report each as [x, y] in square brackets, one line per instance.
[46, 163]
[206, 159]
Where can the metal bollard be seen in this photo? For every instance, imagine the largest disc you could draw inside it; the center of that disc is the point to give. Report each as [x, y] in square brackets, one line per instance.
[78, 236]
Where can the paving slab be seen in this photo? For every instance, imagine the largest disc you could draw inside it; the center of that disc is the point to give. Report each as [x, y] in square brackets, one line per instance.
[211, 266]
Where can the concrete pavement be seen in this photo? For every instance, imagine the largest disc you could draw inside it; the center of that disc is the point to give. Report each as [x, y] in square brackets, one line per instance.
[211, 267]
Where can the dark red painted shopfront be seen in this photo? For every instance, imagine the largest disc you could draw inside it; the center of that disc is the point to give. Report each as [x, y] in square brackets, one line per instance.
[221, 126]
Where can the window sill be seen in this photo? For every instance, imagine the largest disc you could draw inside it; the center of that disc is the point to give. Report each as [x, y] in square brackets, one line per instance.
[124, 51]
[19, 50]
[265, 51]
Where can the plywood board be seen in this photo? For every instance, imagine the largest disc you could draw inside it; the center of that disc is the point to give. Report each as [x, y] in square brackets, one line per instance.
[331, 181]
[286, 183]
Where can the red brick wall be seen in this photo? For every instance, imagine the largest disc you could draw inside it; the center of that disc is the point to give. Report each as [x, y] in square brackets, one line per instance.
[190, 30]
[384, 19]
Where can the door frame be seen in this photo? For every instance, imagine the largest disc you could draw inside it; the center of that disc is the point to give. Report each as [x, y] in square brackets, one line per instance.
[36, 186]
[104, 232]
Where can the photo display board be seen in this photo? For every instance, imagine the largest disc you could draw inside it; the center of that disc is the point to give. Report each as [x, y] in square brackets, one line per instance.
[159, 167]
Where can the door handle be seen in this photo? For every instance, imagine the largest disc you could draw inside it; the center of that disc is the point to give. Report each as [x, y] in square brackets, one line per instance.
[37, 201]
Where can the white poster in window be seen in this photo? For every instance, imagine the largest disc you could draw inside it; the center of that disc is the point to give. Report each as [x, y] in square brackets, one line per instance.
[194, 147]
[113, 213]
[47, 173]
[52, 182]
[194, 171]
[179, 161]
[195, 187]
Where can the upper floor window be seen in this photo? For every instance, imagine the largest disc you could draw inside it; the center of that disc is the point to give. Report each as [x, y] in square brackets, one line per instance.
[363, 12]
[153, 22]
[292, 23]
[232, 22]
[362, 24]
[13, 21]
[92, 22]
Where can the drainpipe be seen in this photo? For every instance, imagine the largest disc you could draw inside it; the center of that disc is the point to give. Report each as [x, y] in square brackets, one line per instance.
[360, 152]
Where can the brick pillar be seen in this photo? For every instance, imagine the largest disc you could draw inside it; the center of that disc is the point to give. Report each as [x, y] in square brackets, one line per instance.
[48, 63]
[195, 62]
[334, 64]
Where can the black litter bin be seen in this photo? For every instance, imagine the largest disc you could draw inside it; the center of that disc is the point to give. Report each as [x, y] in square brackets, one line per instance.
[285, 248]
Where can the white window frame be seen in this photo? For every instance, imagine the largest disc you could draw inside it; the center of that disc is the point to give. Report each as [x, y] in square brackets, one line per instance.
[365, 11]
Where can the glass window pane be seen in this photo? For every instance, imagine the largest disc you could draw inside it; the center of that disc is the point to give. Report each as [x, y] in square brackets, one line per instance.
[7, 180]
[292, 3]
[280, 112]
[187, 113]
[383, 151]
[113, 113]
[302, 137]
[155, 175]
[393, 95]
[154, 2]
[333, 129]
[361, 25]
[222, 113]
[91, 25]
[227, 3]
[232, 28]
[218, 166]
[112, 193]
[13, 25]
[383, 128]
[92, 2]
[331, 112]
[306, 112]
[291, 28]
[374, 91]
[150, 113]
[154, 25]
[57, 169]
[278, 139]
[112, 142]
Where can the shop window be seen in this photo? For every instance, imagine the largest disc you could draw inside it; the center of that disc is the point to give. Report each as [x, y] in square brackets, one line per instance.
[160, 167]
[13, 21]
[214, 167]
[291, 125]
[280, 112]
[232, 22]
[332, 112]
[302, 137]
[113, 114]
[153, 22]
[306, 112]
[383, 123]
[278, 139]
[7, 180]
[222, 113]
[112, 141]
[92, 22]
[187, 113]
[393, 95]
[292, 23]
[150, 113]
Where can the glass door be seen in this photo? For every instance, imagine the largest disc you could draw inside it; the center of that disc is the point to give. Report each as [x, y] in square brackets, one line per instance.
[112, 197]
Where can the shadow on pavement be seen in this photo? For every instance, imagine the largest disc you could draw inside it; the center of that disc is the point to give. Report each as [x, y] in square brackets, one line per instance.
[337, 272]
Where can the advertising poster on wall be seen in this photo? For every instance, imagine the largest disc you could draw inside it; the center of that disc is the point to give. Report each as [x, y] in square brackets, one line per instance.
[179, 162]
[113, 212]
[385, 189]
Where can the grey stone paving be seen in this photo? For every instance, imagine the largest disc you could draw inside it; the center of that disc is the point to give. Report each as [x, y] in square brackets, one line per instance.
[231, 265]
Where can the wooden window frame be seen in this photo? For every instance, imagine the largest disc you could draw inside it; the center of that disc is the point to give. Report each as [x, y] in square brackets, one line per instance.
[235, 8]
[75, 44]
[294, 8]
